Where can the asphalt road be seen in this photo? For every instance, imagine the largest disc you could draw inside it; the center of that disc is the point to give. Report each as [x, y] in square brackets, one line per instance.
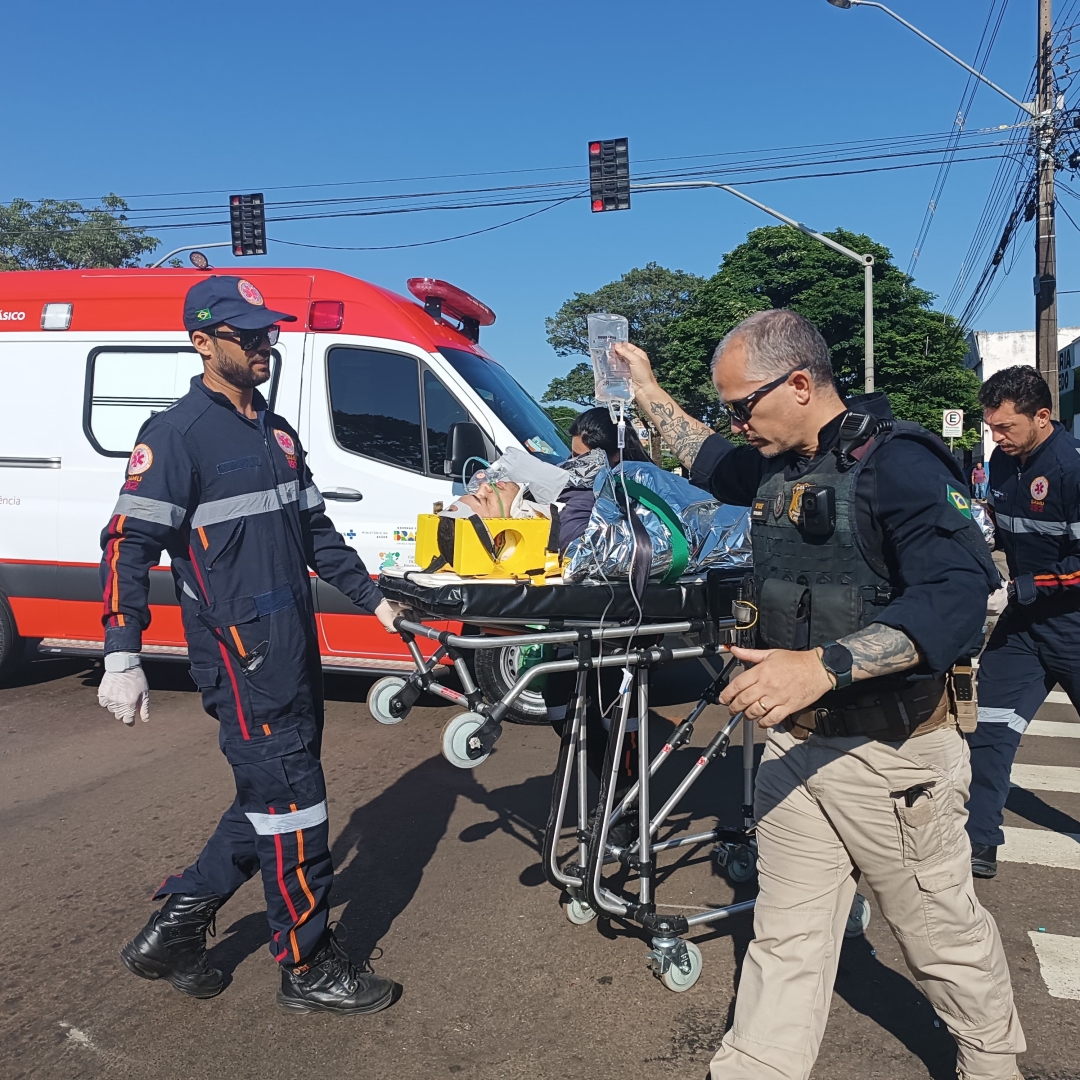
[438, 875]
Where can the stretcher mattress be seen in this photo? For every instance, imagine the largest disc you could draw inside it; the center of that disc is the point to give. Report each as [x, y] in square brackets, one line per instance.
[447, 596]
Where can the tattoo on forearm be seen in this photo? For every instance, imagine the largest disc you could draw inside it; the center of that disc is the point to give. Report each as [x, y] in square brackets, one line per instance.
[681, 432]
[880, 650]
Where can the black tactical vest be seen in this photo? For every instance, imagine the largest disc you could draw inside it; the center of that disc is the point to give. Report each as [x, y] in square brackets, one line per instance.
[815, 577]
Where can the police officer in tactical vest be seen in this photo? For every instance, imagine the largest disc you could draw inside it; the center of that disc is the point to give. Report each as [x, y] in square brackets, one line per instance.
[870, 585]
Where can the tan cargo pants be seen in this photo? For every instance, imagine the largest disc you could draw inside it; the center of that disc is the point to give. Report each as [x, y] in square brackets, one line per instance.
[827, 808]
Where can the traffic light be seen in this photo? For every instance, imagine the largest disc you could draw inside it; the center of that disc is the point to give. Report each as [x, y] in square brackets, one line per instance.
[247, 217]
[609, 174]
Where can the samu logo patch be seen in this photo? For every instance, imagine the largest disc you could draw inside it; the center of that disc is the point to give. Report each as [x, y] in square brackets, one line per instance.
[959, 500]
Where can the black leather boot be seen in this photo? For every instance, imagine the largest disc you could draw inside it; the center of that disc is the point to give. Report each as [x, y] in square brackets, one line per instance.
[172, 946]
[983, 860]
[328, 980]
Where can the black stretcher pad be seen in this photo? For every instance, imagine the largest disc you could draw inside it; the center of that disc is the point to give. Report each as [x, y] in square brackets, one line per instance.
[703, 598]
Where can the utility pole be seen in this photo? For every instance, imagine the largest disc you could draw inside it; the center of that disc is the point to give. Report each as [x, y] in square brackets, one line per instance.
[1046, 337]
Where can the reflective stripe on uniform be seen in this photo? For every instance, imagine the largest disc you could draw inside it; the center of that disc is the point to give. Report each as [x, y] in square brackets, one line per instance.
[274, 824]
[237, 506]
[1041, 528]
[154, 510]
[1003, 716]
[310, 498]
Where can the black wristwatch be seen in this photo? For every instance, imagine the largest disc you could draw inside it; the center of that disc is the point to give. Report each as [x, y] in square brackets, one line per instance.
[837, 661]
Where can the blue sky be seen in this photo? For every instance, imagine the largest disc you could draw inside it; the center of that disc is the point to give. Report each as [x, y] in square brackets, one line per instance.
[147, 99]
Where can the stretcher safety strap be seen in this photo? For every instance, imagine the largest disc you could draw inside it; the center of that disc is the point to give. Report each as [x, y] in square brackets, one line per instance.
[680, 549]
[273, 824]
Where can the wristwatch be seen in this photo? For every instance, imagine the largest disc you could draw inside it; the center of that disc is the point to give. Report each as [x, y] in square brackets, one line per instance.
[122, 661]
[837, 661]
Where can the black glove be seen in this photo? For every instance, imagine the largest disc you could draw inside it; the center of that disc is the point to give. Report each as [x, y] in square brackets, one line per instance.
[1022, 590]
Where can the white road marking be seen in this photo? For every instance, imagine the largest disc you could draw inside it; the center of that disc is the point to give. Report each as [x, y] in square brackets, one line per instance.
[1046, 777]
[1058, 697]
[1057, 728]
[1041, 847]
[1059, 962]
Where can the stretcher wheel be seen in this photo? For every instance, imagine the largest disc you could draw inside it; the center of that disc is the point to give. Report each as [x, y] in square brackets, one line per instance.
[858, 918]
[578, 912]
[741, 865]
[378, 699]
[455, 739]
[678, 980]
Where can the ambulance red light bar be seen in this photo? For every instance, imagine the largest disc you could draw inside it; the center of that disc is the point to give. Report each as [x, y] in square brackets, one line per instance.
[326, 315]
[440, 297]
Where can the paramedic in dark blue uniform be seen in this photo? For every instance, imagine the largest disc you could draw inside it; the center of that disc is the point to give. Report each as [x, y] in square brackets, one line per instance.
[1035, 495]
[221, 483]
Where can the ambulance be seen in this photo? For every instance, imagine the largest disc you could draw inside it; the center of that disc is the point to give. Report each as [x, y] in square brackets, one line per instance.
[371, 379]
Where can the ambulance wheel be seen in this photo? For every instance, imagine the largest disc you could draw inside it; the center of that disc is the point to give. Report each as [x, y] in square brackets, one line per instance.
[741, 865]
[579, 912]
[455, 740]
[378, 699]
[858, 918]
[678, 980]
[498, 669]
[11, 645]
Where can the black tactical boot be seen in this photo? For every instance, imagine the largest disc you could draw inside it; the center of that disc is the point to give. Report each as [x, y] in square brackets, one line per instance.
[983, 860]
[328, 980]
[172, 945]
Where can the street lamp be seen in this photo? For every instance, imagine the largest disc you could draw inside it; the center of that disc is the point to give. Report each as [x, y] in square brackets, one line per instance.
[845, 4]
[1041, 112]
[865, 261]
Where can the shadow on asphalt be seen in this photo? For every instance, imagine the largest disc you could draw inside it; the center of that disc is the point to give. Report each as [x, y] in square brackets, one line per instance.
[1028, 805]
[239, 941]
[382, 851]
[893, 1003]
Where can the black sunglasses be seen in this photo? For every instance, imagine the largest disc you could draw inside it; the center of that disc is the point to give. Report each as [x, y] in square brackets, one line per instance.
[250, 340]
[740, 411]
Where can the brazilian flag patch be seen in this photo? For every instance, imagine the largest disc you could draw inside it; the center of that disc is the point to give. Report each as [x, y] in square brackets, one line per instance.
[959, 500]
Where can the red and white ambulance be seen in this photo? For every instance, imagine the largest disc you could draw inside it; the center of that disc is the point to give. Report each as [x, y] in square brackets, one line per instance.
[372, 380]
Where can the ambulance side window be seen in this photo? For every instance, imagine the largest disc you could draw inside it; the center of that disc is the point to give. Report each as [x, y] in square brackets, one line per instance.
[441, 409]
[127, 384]
[375, 404]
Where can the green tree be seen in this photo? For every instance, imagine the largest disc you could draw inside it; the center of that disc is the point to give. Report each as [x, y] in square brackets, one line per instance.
[917, 352]
[63, 235]
[563, 417]
[651, 298]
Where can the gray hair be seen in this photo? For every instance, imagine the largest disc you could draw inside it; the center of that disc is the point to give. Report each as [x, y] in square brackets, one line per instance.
[778, 340]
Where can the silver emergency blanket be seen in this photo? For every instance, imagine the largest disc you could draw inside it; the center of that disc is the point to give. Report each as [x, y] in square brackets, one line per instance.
[984, 521]
[718, 535]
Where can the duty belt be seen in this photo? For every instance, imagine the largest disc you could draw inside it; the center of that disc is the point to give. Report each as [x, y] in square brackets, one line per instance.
[887, 714]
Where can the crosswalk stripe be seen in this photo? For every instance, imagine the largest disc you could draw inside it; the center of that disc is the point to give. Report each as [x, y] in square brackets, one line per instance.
[1056, 728]
[1058, 697]
[1046, 777]
[1042, 848]
[1059, 962]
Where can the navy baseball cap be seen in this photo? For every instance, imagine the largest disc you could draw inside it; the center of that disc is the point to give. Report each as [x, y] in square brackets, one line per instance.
[232, 300]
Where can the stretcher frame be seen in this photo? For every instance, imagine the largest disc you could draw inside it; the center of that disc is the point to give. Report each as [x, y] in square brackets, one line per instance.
[468, 740]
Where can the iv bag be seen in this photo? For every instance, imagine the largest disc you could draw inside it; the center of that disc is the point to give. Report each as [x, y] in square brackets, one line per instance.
[611, 373]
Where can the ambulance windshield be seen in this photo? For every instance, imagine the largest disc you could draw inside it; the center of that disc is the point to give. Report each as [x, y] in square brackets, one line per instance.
[529, 424]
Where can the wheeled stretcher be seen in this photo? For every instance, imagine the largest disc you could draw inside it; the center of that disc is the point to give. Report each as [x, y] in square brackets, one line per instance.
[603, 626]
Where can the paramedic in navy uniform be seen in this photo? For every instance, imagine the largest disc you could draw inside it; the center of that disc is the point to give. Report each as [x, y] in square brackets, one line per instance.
[1035, 494]
[221, 483]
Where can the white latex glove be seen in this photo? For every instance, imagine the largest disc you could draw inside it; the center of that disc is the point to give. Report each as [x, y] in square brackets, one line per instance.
[998, 600]
[124, 693]
[386, 614]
